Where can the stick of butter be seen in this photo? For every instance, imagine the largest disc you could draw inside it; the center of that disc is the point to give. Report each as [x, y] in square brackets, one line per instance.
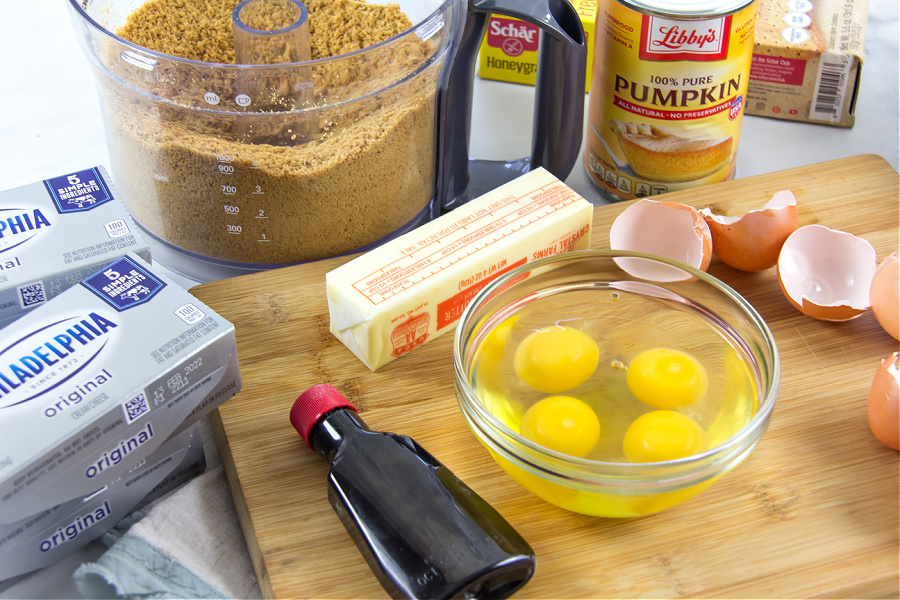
[412, 289]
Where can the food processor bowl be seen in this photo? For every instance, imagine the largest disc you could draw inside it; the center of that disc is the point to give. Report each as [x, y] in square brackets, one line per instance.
[232, 168]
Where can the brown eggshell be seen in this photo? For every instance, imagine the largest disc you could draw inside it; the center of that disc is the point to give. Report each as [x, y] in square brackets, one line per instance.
[826, 274]
[884, 294]
[752, 242]
[884, 403]
[668, 229]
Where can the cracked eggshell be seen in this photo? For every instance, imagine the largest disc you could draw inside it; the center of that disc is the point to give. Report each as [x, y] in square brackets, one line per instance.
[884, 294]
[752, 242]
[668, 229]
[825, 273]
[884, 403]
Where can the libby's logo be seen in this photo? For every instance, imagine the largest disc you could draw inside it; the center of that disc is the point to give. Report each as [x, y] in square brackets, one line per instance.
[512, 36]
[665, 39]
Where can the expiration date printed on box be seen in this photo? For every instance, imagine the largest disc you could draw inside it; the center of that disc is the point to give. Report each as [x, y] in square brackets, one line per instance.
[464, 237]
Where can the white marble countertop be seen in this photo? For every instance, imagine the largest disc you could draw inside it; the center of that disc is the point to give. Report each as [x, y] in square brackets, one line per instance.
[52, 125]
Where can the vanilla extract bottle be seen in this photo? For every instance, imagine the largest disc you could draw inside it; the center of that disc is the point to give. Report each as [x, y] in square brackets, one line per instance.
[423, 532]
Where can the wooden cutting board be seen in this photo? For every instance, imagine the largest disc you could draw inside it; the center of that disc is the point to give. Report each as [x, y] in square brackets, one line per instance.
[813, 512]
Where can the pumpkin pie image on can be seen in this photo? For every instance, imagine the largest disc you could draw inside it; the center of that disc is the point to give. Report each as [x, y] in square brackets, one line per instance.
[667, 95]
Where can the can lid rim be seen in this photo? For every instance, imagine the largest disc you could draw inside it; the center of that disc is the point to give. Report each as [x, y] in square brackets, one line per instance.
[704, 9]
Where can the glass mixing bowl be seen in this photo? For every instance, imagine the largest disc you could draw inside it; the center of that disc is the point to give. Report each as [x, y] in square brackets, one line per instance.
[664, 304]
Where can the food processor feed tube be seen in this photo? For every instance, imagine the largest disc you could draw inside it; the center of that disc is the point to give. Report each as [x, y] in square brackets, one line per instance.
[270, 31]
[424, 533]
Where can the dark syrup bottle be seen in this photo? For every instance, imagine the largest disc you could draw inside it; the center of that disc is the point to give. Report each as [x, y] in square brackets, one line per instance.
[423, 532]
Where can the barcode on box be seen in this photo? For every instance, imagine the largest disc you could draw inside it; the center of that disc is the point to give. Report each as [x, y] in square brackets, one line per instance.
[136, 408]
[32, 294]
[831, 87]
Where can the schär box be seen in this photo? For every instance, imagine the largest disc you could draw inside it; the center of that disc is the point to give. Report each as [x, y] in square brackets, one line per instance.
[509, 49]
[99, 377]
[56, 232]
[807, 60]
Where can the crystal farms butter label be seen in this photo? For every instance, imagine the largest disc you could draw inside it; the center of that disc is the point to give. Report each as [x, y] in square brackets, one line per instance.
[667, 98]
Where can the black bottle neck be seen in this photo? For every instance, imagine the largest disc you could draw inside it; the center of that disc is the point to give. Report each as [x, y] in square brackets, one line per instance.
[333, 429]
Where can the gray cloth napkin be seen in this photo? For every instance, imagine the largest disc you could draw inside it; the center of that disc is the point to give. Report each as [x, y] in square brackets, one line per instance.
[186, 545]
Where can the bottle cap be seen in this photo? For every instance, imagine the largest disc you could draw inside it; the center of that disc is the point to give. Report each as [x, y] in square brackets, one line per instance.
[312, 405]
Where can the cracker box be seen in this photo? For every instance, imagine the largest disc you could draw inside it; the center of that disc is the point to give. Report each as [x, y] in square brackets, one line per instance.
[97, 378]
[46, 537]
[807, 60]
[56, 232]
[509, 49]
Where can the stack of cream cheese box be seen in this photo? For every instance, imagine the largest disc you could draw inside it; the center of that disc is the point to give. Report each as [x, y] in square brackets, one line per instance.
[56, 232]
[101, 385]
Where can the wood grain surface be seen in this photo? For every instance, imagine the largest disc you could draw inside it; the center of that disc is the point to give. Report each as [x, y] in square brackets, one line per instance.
[812, 513]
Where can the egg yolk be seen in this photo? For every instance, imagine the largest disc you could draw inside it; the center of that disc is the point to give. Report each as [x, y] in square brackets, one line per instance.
[555, 360]
[663, 435]
[562, 423]
[666, 378]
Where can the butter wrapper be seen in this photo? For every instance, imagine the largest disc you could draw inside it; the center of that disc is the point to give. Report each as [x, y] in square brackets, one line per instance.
[414, 288]
[56, 232]
[96, 379]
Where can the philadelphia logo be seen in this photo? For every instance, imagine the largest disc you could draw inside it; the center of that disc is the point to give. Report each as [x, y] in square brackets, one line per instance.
[75, 341]
[18, 225]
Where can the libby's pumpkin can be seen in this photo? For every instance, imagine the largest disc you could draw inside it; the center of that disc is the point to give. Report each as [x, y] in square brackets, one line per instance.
[668, 93]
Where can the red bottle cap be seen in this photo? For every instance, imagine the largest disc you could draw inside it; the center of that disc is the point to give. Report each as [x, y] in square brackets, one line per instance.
[312, 405]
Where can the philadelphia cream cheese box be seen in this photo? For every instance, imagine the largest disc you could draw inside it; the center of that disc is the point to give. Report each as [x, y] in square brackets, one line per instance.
[99, 377]
[46, 537]
[56, 232]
